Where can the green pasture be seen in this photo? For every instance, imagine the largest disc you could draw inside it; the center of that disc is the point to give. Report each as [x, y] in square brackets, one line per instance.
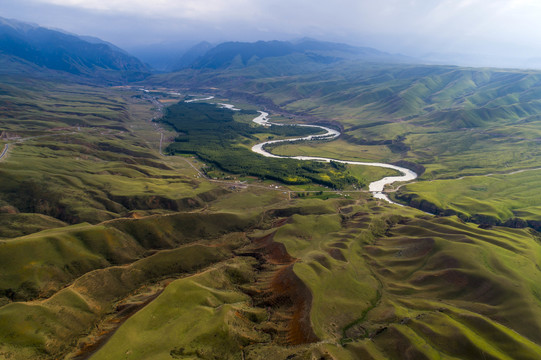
[499, 196]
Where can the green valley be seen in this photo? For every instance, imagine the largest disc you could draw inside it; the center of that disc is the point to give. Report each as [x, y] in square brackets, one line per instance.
[444, 118]
[137, 225]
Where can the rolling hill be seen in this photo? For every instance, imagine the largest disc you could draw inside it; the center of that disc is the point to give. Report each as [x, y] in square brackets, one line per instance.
[110, 249]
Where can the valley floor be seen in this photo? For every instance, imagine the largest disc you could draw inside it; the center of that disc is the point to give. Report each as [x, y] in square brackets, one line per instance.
[111, 250]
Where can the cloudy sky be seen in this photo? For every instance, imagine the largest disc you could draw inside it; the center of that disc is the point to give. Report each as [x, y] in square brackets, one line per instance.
[494, 32]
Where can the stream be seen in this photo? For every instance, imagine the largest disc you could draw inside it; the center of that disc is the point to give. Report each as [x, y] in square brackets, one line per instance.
[376, 187]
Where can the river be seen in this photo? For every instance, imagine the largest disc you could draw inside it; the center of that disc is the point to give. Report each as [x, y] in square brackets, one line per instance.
[376, 187]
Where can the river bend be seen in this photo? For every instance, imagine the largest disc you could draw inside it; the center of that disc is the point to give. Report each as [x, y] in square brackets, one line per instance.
[376, 187]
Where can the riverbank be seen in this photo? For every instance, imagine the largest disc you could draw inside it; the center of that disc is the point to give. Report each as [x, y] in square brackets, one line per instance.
[376, 187]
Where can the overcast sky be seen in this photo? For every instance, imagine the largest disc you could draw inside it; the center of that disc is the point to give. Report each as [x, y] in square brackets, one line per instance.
[494, 31]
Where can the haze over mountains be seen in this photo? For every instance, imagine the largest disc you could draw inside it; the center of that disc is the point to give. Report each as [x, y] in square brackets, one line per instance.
[32, 45]
[83, 56]
[89, 56]
[475, 33]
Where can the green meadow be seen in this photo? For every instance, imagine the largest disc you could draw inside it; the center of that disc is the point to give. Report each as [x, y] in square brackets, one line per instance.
[497, 198]
[453, 121]
[214, 136]
[109, 249]
[377, 276]
[58, 176]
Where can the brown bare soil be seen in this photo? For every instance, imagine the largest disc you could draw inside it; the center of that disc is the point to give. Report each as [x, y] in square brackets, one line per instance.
[278, 288]
[123, 311]
[287, 286]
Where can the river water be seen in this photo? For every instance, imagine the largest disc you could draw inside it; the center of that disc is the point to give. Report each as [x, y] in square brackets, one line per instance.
[376, 187]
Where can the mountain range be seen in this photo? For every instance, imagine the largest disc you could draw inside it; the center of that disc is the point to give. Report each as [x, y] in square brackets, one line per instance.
[242, 54]
[27, 45]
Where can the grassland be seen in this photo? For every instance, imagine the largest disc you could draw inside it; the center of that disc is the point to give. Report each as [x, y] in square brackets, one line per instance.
[394, 279]
[60, 280]
[511, 199]
[382, 282]
[107, 242]
[338, 149]
[73, 174]
[34, 105]
[450, 121]
[423, 287]
[89, 270]
[214, 136]
[195, 326]
[453, 121]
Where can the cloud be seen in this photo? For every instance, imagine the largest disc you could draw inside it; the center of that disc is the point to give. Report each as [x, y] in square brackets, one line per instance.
[208, 10]
[413, 27]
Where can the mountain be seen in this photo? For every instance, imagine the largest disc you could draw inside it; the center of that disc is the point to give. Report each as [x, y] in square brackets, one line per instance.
[162, 57]
[241, 53]
[193, 54]
[25, 44]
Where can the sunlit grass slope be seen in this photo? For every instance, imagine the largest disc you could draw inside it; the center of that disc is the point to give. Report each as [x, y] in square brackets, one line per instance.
[384, 283]
[387, 280]
[454, 121]
[78, 274]
[141, 256]
[511, 199]
[204, 316]
[64, 171]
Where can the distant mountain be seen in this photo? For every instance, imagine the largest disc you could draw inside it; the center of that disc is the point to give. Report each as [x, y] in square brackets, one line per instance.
[241, 54]
[95, 40]
[192, 55]
[162, 57]
[60, 51]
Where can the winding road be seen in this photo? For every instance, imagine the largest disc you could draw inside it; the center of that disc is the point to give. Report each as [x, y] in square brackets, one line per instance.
[376, 187]
[4, 152]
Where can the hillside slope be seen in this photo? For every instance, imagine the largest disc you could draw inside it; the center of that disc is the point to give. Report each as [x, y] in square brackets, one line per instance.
[242, 54]
[63, 52]
[453, 121]
[109, 249]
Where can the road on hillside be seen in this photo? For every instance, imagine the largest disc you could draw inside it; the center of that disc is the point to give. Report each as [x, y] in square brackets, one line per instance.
[4, 152]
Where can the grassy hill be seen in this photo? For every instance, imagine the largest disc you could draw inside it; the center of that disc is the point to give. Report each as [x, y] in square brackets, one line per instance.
[74, 157]
[511, 199]
[381, 283]
[109, 249]
[453, 121]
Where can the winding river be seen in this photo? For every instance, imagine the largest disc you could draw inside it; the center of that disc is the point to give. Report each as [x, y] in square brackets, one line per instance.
[376, 187]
